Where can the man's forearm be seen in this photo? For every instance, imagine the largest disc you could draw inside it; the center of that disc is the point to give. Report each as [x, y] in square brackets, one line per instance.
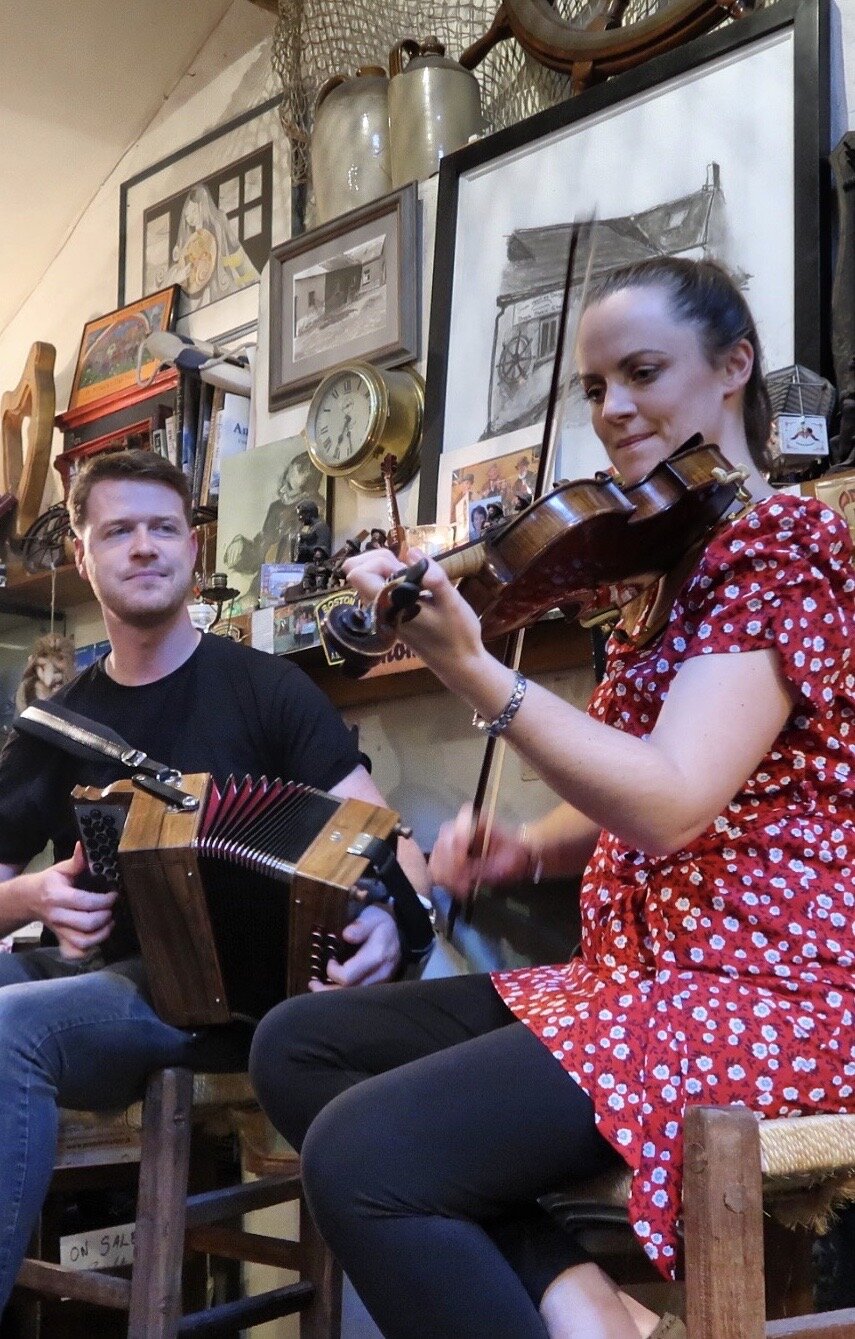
[16, 903]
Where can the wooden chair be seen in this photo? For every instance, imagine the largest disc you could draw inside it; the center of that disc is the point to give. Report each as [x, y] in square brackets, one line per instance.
[737, 1169]
[169, 1223]
[743, 1178]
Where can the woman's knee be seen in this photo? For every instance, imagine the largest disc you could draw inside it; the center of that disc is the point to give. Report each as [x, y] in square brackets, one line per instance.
[344, 1160]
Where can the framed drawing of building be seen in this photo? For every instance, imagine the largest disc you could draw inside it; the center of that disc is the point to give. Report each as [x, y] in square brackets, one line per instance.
[348, 289]
[715, 149]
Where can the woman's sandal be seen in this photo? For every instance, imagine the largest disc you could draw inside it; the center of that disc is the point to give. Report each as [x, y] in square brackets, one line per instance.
[669, 1327]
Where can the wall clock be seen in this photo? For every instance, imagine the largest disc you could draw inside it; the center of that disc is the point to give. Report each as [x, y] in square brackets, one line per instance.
[358, 415]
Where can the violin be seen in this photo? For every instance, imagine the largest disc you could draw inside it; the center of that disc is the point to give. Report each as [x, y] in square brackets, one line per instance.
[586, 540]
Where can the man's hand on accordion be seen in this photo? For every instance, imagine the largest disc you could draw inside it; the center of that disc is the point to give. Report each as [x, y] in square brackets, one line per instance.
[80, 919]
[378, 956]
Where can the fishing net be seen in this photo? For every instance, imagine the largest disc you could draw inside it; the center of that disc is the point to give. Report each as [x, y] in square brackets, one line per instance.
[317, 38]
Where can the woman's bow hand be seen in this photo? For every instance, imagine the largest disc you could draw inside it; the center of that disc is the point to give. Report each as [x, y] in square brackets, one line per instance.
[464, 856]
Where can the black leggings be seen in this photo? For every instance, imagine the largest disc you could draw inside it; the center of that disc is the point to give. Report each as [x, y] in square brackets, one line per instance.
[429, 1121]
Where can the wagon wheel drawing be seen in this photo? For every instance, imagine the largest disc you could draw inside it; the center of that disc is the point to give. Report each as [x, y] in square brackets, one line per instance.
[43, 545]
[603, 37]
[515, 360]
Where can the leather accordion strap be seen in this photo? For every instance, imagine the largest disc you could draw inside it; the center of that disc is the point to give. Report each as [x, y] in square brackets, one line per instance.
[413, 920]
[78, 735]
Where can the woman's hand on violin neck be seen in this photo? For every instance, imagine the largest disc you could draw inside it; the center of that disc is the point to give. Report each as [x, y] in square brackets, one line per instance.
[463, 856]
[445, 632]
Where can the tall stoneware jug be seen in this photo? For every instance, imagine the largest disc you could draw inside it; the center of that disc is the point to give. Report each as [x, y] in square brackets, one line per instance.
[350, 142]
[434, 107]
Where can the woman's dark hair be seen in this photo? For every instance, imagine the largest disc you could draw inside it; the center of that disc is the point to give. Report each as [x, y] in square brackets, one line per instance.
[702, 293]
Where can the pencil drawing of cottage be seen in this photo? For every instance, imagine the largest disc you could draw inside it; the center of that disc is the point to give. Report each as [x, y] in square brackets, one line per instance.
[340, 297]
[525, 335]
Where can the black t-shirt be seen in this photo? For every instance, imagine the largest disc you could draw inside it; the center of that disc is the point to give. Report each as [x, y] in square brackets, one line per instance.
[227, 710]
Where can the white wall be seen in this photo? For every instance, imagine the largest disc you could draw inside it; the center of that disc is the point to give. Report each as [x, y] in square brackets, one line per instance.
[231, 73]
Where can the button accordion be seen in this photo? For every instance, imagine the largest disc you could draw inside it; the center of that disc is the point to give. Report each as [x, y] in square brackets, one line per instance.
[237, 898]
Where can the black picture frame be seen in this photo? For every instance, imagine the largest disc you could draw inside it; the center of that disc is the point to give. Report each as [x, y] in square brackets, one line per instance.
[322, 253]
[805, 22]
[246, 159]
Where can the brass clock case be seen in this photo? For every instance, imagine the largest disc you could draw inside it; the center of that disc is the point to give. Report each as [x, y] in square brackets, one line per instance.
[396, 417]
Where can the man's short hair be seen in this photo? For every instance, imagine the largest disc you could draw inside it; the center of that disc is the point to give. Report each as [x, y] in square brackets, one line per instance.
[142, 466]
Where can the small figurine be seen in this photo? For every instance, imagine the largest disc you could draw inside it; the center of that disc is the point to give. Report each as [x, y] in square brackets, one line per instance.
[313, 534]
[378, 539]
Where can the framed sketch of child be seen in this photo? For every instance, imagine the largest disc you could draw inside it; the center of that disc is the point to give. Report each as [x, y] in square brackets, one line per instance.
[258, 522]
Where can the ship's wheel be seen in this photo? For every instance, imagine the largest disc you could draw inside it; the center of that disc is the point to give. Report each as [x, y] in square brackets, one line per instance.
[43, 546]
[592, 39]
[515, 360]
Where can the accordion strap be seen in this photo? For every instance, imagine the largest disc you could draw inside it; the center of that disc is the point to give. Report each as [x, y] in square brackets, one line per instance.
[78, 735]
[411, 916]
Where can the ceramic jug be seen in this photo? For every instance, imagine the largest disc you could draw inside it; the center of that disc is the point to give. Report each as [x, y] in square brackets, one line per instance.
[434, 107]
[350, 142]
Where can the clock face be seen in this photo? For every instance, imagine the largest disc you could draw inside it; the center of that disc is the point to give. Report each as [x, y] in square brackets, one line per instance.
[341, 418]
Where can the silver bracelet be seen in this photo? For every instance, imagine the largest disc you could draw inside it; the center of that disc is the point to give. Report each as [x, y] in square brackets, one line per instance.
[504, 718]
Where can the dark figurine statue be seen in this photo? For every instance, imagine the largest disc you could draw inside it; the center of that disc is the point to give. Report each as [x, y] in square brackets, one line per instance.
[313, 535]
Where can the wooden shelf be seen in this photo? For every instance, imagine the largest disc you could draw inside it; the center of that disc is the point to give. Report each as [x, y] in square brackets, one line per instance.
[30, 591]
[549, 646]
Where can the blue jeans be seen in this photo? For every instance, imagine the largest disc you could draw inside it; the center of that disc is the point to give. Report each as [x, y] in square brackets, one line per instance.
[83, 1039]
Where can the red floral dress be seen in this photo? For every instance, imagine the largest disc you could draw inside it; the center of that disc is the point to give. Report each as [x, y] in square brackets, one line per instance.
[724, 973]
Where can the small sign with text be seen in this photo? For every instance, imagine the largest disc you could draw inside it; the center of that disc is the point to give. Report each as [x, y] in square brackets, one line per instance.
[102, 1248]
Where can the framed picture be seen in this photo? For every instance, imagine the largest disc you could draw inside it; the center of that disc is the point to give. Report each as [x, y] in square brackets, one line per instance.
[497, 470]
[348, 289]
[107, 360]
[257, 520]
[277, 579]
[296, 627]
[205, 218]
[715, 149]
[836, 490]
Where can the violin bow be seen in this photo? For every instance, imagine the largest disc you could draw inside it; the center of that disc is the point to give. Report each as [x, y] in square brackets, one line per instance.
[494, 752]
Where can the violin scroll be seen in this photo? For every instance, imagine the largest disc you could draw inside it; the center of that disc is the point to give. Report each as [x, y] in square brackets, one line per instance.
[357, 632]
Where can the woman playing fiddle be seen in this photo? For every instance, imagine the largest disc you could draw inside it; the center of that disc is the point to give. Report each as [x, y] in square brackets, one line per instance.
[707, 794]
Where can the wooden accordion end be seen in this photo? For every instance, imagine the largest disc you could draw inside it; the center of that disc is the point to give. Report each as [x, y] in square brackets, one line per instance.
[238, 901]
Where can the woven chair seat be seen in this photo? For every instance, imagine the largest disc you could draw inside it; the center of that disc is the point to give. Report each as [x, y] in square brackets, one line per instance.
[808, 1165]
[90, 1138]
